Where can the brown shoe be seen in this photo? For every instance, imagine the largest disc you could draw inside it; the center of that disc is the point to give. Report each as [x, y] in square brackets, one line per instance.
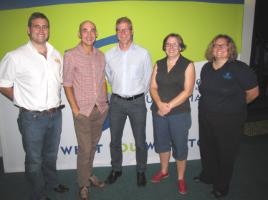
[83, 193]
[96, 182]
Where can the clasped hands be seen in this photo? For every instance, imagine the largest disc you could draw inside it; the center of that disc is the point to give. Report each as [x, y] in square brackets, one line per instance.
[163, 108]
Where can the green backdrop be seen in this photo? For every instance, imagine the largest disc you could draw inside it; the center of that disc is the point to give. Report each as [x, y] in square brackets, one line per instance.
[197, 23]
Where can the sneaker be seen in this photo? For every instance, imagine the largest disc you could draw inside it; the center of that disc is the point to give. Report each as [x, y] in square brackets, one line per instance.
[96, 182]
[159, 176]
[83, 193]
[182, 186]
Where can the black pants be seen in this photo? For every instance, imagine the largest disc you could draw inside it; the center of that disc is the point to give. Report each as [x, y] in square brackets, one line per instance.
[219, 136]
[136, 111]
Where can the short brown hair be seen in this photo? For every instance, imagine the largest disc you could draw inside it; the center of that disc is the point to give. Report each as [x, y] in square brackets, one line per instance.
[232, 50]
[124, 19]
[179, 39]
[37, 15]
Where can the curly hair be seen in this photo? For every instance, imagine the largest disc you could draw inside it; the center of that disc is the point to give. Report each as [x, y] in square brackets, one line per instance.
[232, 50]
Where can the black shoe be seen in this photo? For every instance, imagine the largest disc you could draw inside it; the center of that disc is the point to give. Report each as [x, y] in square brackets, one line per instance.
[217, 194]
[141, 179]
[113, 177]
[61, 188]
[198, 179]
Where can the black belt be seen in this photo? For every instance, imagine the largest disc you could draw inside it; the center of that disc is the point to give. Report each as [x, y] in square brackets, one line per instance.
[129, 98]
[51, 110]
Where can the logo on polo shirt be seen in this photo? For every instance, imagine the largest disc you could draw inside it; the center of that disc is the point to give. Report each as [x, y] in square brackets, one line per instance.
[227, 76]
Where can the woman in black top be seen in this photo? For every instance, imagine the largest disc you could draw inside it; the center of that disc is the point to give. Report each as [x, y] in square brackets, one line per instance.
[227, 85]
[172, 83]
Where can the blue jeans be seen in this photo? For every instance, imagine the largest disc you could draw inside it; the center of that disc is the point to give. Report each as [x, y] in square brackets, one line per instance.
[40, 138]
[136, 111]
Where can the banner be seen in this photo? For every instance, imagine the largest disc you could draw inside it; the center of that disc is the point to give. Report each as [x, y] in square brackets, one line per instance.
[197, 22]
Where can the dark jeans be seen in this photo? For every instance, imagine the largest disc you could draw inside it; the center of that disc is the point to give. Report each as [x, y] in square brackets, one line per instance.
[40, 138]
[136, 111]
[219, 136]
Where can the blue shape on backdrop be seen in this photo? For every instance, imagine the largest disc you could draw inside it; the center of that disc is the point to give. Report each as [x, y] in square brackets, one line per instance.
[106, 41]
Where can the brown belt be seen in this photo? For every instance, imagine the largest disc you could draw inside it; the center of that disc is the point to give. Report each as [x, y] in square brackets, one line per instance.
[51, 110]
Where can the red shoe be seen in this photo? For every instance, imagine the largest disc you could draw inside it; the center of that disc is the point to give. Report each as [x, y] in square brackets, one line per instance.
[182, 186]
[159, 176]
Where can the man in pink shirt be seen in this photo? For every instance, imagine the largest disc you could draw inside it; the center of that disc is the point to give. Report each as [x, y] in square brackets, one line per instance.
[85, 88]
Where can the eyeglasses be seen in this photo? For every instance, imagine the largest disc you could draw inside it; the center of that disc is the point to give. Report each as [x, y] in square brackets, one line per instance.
[123, 30]
[220, 46]
[38, 27]
[169, 45]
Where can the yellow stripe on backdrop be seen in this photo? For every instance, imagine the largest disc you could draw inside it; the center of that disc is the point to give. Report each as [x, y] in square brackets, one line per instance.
[196, 22]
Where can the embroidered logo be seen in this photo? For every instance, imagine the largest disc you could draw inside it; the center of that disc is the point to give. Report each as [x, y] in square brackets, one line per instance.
[57, 60]
[227, 76]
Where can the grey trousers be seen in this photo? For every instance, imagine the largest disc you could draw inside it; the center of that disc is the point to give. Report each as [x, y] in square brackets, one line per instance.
[136, 111]
[88, 132]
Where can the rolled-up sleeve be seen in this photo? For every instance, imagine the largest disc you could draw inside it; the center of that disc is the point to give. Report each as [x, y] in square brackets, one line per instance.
[7, 71]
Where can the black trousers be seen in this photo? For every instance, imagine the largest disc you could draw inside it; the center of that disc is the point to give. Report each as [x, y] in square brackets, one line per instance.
[219, 138]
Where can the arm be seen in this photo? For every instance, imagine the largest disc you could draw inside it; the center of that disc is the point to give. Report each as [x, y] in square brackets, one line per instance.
[188, 87]
[7, 76]
[104, 87]
[163, 108]
[252, 94]
[7, 92]
[147, 72]
[71, 99]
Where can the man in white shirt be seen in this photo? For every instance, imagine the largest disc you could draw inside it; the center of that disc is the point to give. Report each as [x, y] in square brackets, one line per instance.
[128, 70]
[31, 77]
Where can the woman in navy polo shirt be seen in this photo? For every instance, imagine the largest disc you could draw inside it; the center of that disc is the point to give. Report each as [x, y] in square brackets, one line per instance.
[227, 85]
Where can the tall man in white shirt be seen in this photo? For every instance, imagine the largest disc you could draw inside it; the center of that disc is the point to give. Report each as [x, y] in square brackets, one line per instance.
[128, 70]
[31, 77]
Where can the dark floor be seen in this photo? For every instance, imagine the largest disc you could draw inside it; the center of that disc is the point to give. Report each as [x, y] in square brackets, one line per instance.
[250, 180]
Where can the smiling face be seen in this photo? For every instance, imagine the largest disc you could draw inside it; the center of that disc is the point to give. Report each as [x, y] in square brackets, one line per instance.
[124, 33]
[220, 49]
[172, 47]
[87, 33]
[38, 31]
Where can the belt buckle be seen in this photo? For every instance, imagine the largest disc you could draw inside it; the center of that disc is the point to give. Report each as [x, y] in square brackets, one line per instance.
[131, 98]
[51, 110]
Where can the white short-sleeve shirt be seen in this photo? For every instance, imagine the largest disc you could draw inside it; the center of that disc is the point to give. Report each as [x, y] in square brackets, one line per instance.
[36, 80]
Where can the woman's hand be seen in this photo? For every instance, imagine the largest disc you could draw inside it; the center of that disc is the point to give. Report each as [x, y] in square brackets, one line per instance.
[163, 108]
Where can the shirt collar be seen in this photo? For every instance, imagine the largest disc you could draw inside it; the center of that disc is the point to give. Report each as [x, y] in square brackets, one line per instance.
[81, 50]
[49, 47]
[131, 47]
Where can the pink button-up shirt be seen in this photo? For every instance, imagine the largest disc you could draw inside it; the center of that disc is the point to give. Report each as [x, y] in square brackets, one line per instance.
[85, 73]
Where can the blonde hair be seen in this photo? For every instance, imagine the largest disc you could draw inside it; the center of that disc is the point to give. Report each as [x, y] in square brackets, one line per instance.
[232, 50]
